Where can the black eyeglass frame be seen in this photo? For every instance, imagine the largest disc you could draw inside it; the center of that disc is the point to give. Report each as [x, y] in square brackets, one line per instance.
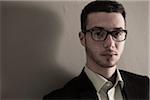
[108, 33]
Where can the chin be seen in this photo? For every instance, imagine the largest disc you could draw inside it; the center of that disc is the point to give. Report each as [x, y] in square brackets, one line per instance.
[107, 65]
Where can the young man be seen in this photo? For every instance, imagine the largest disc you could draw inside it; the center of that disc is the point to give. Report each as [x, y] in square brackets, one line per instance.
[103, 25]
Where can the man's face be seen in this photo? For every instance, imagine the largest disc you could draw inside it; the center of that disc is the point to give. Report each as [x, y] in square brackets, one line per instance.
[103, 53]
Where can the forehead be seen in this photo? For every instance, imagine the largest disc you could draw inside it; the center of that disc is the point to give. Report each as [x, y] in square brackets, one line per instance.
[104, 19]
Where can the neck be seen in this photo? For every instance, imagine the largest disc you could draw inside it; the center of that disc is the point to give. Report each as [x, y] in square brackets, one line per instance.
[108, 72]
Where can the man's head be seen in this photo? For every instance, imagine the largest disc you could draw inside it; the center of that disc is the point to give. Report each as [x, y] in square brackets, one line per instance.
[103, 32]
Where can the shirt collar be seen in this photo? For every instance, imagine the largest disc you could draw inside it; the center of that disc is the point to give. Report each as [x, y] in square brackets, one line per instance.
[119, 79]
[99, 81]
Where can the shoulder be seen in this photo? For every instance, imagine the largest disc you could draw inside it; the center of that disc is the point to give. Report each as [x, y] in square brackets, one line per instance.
[65, 92]
[73, 89]
[130, 77]
[135, 86]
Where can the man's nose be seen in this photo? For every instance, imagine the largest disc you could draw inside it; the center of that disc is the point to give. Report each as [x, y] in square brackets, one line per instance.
[109, 42]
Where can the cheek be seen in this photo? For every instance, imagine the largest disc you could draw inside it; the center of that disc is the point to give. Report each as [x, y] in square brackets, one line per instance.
[95, 48]
[120, 47]
[94, 45]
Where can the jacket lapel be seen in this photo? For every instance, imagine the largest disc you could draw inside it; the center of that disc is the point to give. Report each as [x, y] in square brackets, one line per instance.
[127, 89]
[87, 90]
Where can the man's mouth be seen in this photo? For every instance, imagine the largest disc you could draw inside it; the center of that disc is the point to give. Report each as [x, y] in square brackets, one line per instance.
[109, 54]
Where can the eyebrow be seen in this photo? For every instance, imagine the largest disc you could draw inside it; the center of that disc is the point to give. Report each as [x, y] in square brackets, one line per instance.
[118, 28]
[115, 28]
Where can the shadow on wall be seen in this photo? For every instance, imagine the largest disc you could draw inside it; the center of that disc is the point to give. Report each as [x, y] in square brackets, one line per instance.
[30, 38]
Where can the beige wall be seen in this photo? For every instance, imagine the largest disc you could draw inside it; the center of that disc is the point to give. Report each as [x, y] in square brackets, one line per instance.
[135, 57]
[41, 50]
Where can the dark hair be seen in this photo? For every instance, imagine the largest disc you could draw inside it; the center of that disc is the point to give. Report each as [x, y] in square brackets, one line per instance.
[101, 6]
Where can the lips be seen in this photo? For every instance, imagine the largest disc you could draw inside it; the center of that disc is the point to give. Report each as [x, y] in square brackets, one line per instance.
[109, 54]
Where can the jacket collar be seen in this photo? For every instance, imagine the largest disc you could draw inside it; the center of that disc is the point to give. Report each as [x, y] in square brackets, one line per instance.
[127, 89]
[87, 90]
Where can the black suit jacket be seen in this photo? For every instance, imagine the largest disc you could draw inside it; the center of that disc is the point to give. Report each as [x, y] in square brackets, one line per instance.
[136, 87]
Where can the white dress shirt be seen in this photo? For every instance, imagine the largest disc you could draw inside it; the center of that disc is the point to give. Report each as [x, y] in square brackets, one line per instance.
[105, 89]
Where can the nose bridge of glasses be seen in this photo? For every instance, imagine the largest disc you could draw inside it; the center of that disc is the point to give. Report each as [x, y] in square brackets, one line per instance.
[109, 35]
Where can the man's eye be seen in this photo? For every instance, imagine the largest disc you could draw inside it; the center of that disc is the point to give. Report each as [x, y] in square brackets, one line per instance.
[100, 34]
[117, 33]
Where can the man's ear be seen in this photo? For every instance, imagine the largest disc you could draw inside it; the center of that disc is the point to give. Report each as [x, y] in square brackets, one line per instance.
[82, 38]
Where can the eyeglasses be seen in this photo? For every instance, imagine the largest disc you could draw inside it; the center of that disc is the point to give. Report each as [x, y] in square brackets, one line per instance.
[100, 34]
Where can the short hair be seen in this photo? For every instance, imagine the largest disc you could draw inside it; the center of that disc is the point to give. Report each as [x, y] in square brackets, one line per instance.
[101, 6]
